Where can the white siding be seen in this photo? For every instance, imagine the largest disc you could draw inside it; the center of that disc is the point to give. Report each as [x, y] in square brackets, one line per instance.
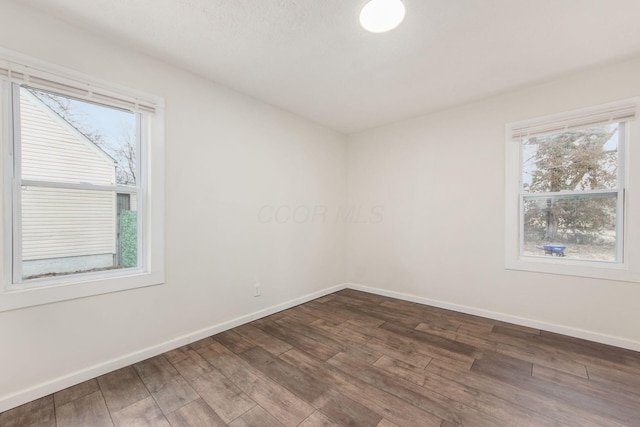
[57, 222]
[60, 222]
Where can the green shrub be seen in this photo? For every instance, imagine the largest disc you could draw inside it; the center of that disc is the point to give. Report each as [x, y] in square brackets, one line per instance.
[129, 238]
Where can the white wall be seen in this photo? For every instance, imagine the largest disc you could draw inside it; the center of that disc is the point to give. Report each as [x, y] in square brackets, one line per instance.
[227, 156]
[440, 180]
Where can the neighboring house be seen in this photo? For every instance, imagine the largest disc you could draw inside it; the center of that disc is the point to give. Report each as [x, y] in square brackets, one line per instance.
[65, 230]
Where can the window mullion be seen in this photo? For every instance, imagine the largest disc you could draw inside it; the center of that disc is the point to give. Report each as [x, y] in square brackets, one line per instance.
[570, 194]
[80, 186]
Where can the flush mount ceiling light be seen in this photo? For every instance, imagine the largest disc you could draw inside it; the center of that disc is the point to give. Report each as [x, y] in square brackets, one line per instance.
[379, 16]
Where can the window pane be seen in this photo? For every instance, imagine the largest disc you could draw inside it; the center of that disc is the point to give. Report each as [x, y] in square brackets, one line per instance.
[66, 231]
[575, 227]
[71, 141]
[576, 160]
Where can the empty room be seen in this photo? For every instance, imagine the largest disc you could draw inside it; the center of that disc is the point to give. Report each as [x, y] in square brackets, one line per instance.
[320, 213]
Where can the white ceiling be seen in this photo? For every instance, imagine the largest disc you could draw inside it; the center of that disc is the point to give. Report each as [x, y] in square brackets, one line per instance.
[311, 57]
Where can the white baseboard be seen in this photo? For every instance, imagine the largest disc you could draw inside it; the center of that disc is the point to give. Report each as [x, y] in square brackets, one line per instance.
[43, 389]
[536, 324]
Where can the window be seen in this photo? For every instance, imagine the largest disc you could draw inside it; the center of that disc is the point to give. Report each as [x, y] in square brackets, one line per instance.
[79, 214]
[567, 200]
[572, 192]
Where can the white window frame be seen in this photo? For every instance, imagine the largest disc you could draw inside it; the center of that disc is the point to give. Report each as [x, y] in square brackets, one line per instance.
[627, 266]
[15, 293]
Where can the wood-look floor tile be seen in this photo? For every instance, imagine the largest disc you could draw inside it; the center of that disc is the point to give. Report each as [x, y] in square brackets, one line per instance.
[378, 400]
[190, 365]
[327, 312]
[298, 316]
[233, 341]
[347, 412]
[331, 327]
[306, 387]
[89, 410]
[502, 366]
[267, 319]
[178, 354]
[582, 398]
[39, 413]
[524, 329]
[170, 390]
[375, 312]
[445, 333]
[440, 325]
[262, 339]
[348, 345]
[531, 400]
[365, 297]
[222, 395]
[472, 397]
[328, 340]
[324, 299]
[621, 356]
[612, 396]
[517, 352]
[307, 344]
[402, 370]
[576, 349]
[205, 342]
[318, 419]
[428, 400]
[282, 404]
[475, 330]
[195, 414]
[362, 321]
[75, 392]
[428, 318]
[391, 347]
[255, 417]
[144, 413]
[614, 379]
[515, 343]
[122, 388]
[562, 365]
[430, 339]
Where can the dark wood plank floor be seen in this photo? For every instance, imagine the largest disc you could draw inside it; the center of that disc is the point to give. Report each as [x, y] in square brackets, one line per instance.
[353, 358]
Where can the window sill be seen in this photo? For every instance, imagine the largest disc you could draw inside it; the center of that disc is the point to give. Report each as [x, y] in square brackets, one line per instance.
[16, 297]
[560, 266]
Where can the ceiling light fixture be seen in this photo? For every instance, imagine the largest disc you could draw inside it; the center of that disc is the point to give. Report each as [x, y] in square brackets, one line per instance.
[379, 16]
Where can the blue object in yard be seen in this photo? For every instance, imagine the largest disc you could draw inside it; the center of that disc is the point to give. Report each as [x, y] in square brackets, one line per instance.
[557, 250]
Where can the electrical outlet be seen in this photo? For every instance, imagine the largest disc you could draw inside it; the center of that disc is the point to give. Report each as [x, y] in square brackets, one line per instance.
[257, 291]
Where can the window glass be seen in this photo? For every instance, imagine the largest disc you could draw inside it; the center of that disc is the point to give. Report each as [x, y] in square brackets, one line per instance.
[585, 159]
[569, 194]
[79, 173]
[51, 139]
[575, 227]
